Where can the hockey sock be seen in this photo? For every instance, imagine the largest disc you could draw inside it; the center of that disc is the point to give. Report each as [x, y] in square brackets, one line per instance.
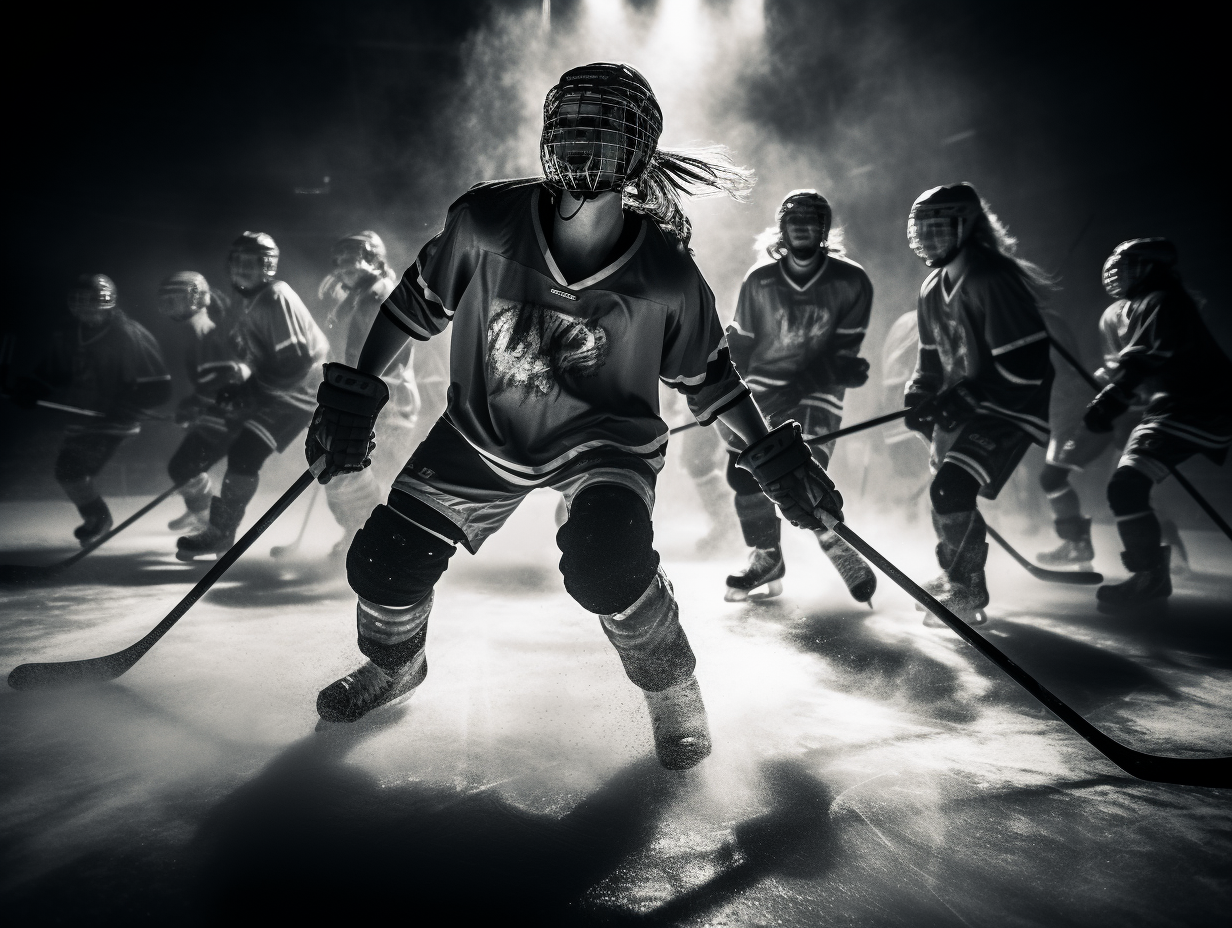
[650, 640]
[227, 509]
[1061, 496]
[1141, 535]
[956, 531]
[81, 491]
[196, 493]
[391, 636]
[759, 521]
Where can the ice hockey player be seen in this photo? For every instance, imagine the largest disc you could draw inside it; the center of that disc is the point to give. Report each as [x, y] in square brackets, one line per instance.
[105, 363]
[1168, 357]
[981, 386]
[281, 348]
[185, 297]
[796, 337]
[359, 282]
[567, 310]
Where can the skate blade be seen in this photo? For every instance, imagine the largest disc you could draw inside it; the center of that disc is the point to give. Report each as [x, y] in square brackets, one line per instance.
[765, 591]
[979, 618]
[189, 557]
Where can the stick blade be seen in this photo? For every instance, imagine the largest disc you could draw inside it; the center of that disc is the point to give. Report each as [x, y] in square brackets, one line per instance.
[281, 551]
[1073, 577]
[1182, 771]
[69, 673]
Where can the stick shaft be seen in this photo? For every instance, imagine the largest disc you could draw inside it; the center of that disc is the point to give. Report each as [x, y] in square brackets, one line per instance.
[68, 562]
[829, 436]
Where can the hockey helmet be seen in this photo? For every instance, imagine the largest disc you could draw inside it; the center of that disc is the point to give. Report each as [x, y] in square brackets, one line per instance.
[365, 247]
[247, 275]
[601, 125]
[93, 299]
[1133, 262]
[182, 295]
[807, 201]
[940, 221]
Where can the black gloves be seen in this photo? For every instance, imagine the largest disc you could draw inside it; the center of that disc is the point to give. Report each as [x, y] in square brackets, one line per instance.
[785, 469]
[949, 409]
[342, 427]
[236, 397]
[849, 371]
[923, 415]
[1109, 403]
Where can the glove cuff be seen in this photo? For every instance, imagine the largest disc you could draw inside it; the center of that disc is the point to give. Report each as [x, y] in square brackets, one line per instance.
[775, 454]
[348, 390]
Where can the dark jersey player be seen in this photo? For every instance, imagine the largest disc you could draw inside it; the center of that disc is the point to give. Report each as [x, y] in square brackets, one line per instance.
[796, 340]
[567, 311]
[981, 386]
[106, 363]
[281, 348]
[360, 281]
[211, 364]
[1168, 359]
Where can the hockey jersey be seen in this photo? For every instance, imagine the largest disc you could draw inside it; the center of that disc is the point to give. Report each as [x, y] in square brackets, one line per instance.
[1158, 347]
[349, 323]
[784, 334]
[278, 339]
[211, 360]
[987, 329]
[543, 369]
[117, 369]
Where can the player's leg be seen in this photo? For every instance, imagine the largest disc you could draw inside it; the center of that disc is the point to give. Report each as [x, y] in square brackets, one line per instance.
[245, 456]
[704, 460]
[1065, 456]
[610, 567]
[759, 523]
[189, 467]
[859, 578]
[961, 546]
[82, 455]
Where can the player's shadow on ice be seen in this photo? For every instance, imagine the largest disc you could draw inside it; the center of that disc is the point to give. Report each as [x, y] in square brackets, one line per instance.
[122, 569]
[312, 834]
[873, 665]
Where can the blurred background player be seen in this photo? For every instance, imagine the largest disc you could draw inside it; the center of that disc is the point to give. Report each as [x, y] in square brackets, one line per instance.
[358, 284]
[185, 297]
[983, 376]
[281, 348]
[908, 458]
[567, 311]
[1166, 355]
[107, 363]
[796, 339]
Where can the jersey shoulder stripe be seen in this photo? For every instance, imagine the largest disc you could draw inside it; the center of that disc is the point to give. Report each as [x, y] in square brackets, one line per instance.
[930, 283]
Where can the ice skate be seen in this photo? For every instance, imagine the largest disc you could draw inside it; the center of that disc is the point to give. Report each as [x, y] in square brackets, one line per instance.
[370, 687]
[681, 733]
[963, 588]
[965, 600]
[1149, 584]
[766, 569]
[190, 522]
[210, 540]
[859, 577]
[98, 522]
[1075, 550]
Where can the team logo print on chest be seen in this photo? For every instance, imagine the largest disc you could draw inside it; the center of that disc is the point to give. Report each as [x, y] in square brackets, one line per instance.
[537, 349]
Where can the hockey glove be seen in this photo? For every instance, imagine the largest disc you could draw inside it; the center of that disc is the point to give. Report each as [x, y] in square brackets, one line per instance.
[923, 415]
[342, 427]
[1109, 403]
[850, 371]
[785, 469]
[236, 397]
[958, 404]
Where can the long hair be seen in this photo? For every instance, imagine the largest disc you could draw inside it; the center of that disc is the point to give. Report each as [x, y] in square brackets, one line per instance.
[771, 241]
[993, 241]
[672, 174]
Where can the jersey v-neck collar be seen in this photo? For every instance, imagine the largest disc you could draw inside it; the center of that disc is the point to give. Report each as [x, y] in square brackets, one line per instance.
[948, 294]
[593, 278]
[800, 288]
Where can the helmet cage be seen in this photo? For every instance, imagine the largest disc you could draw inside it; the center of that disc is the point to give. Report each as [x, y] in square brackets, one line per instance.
[807, 201]
[1132, 262]
[93, 299]
[182, 296]
[600, 127]
[935, 233]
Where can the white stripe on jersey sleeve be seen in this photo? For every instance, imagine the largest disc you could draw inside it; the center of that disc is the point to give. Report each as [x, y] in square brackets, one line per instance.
[1015, 379]
[1025, 340]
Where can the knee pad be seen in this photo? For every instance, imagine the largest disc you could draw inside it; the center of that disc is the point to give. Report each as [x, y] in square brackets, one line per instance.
[247, 453]
[740, 480]
[953, 490]
[607, 549]
[1129, 491]
[1053, 478]
[394, 562]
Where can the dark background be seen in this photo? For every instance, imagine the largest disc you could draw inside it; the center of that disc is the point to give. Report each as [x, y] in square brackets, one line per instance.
[139, 146]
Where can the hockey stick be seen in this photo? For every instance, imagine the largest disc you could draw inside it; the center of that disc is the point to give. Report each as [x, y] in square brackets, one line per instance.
[32, 571]
[1185, 771]
[829, 436]
[1180, 478]
[1079, 577]
[101, 669]
[281, 551]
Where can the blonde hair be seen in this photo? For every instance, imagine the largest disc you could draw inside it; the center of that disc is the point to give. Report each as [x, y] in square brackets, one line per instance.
[672, 174]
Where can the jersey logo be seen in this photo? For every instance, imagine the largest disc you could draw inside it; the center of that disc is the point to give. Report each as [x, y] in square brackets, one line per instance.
[567, 296]
[535, 348]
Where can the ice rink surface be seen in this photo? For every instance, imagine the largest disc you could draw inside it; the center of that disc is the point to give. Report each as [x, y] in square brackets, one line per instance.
[867, 770]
